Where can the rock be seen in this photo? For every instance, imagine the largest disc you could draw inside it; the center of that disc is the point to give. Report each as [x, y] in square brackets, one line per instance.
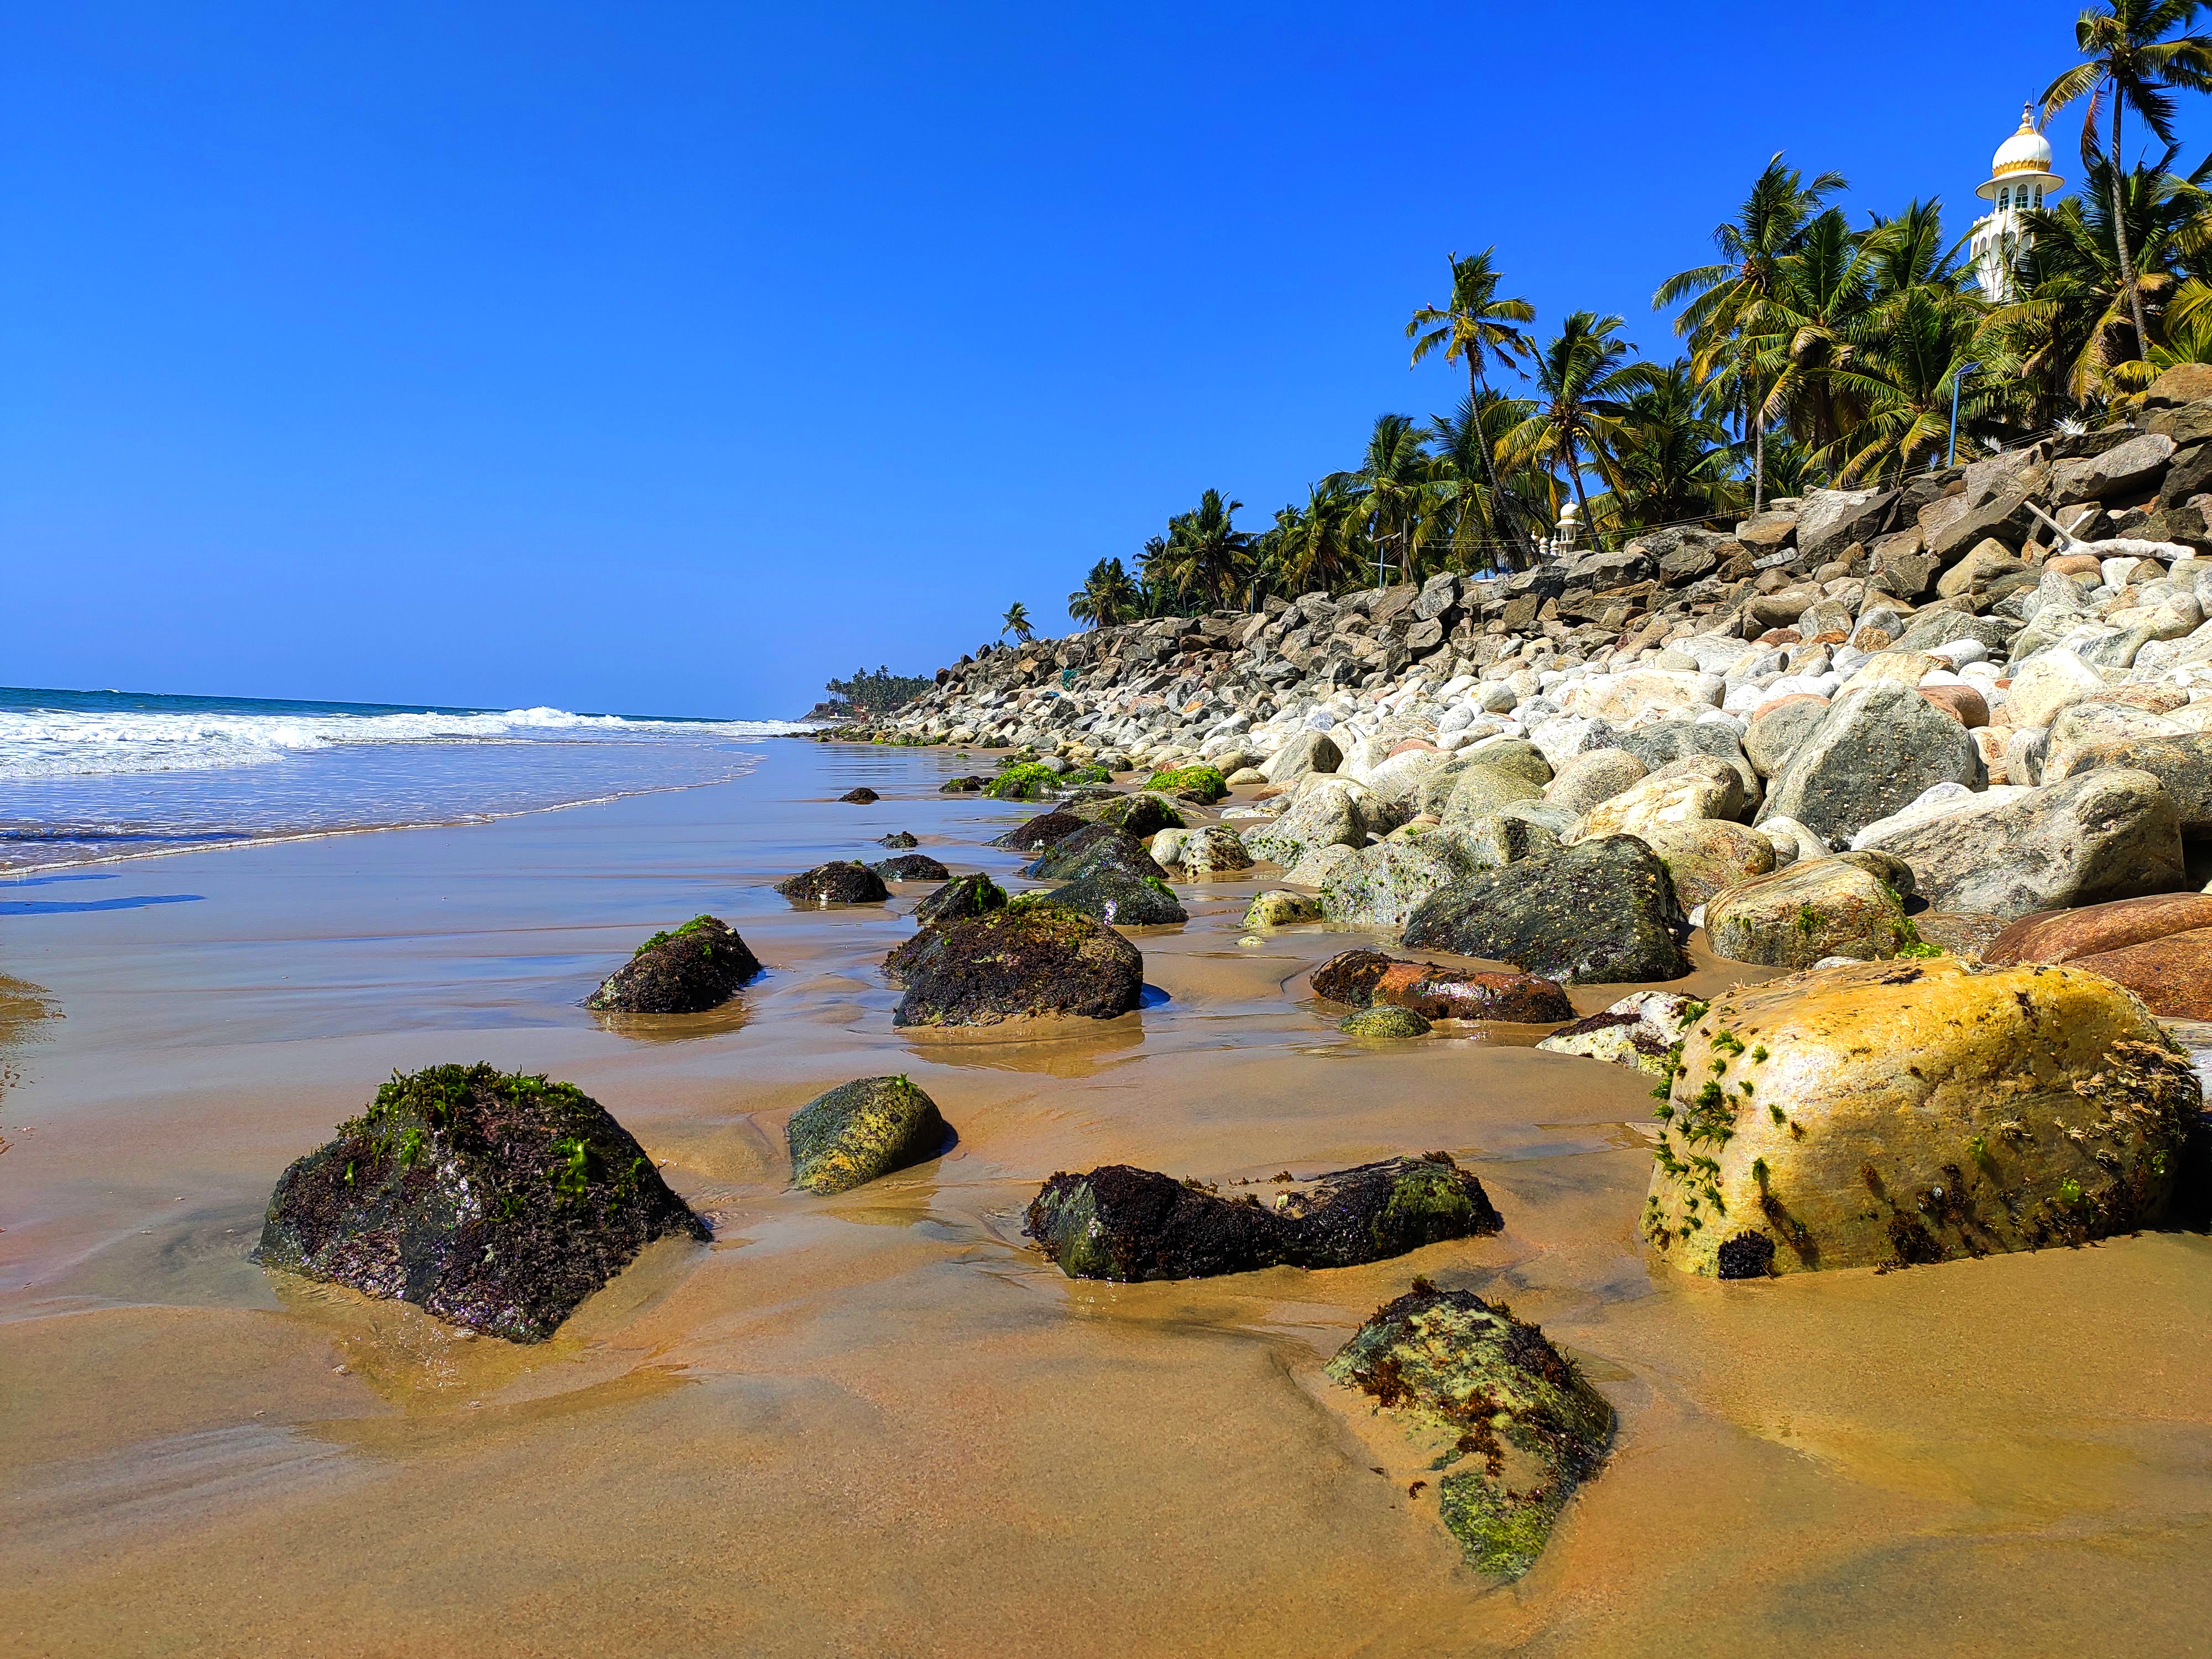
[1878, 747]
[1503, 838]
[2107, 834]
[1642, 692]
[1216, 850]
[1823, 907]
[1121, 900]
[2185, 383]
[1131, 1224]
[1702, 858]
[1201, 783]
[1245, 777]
[912, 866]
[963, 895]
[2181, 762]
[1987, 563]
[1140, 816]
[492, 1202]
[859, 1131]
[844, 881]
[2127, 469]
[1491, 1396]
[1381, 885]
[1780, 729]
[1362, 979]
[1309, 752]
[1318, 865]
[1384, 1020]
[1328, 816]
[1493, 778]
[2001, 516]
[1032, 835]
[2073, 935]
[1600, 912]
[2053, 682]
[860, 797]
[1700, 786]
[967, 785]
[1025, 780]
[1166, 846]
[1098, 847]
[1832, 520]
[898, 840]
[1593, 777]
[1029, 960]
[1895, 1113]
[1961, 702]
[1279, 907]
[1639, 1030]
[697, 966]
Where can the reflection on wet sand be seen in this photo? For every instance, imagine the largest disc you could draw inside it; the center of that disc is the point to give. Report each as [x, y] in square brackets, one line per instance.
[880, 1423]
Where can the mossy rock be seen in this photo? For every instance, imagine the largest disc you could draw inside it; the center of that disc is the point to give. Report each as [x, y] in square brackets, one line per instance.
[1025, 780]
[1141, 817]
[1485, 1389]
[1122, 1223]
[1030, 960]
[846, 881]
[1095, 847]
[1281, 908]
[697, 966]
[862, 796]
[973, 895]
[1132, 900]
[1083, 774]
[968, 784]
[912, 866]
[1385, 1021]
[494, 1201]
[898, 841]
[861, 1130]
[1034, 834]
[1204, 782]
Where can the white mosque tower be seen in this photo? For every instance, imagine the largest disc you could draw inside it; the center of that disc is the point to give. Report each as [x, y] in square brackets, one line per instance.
[2019, 176]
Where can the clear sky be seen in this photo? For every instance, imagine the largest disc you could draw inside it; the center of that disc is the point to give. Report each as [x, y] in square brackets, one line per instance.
[667, 359]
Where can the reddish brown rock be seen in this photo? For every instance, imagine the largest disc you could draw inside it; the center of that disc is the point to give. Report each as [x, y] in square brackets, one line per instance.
[1411, 746]
[2172, 975]
[2075, 564]
[1361, 979]
[2097, 929]
[1773, 703]
[1961, 702]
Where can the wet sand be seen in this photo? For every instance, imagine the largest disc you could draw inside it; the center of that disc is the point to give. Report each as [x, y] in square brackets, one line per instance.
[878, 1423]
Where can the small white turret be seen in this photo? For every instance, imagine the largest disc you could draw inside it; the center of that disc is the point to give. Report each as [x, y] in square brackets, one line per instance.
[2020, 179]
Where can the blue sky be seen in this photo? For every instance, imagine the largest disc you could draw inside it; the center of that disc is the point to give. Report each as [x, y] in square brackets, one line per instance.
[668, 358]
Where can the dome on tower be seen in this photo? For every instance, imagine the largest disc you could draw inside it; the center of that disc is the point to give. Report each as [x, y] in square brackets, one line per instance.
[2022, 159]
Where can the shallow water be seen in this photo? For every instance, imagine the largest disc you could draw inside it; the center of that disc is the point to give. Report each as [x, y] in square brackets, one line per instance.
[877, 1424]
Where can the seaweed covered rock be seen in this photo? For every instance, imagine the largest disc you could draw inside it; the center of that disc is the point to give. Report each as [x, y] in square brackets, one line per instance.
[1279, 907]
[844, 881]
[963, 895]
[1900, 1112]
[1095, 847]
[494, 1201]
[1844, 906]
[1141, 815]
[967, 785]
[1123, 901]
[1384, 1020]
[898, 841]
[1215, 850]
[912, 866]
[697, 966]
[1639, 1030]
[1030, 960]
[1121, 1222]
[860, 1130]
[1033, 834]
[860, 797]
[1204, 783]
[1518, 1423]
[1598, 913]
[1025, 781]
[1362, 979]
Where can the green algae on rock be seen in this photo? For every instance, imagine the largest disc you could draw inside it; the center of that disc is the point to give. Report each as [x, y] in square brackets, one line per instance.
[1123, 901]
[1885, 1114]
[1140, 815]
[1600, 912]
[698, 966]
[1384, 1020]
[1205, 781]
[1121, 1222]
[494, 1201]
[1032, 959]
[860, 1130]
[1095, 847]
[1025, 780]
[1279, 907]
[1489, 1390]
[971, 895]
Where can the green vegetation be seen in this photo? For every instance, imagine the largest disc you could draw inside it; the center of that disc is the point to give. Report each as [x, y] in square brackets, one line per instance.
[1026, 781]
[1017, 622]
[690, 927]
[874, 693]
[1205, 780]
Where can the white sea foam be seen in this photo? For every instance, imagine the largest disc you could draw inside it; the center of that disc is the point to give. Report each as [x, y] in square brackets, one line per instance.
[46, 744]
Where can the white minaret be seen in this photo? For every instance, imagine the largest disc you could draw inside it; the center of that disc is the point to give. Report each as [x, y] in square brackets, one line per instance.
[2020, 177]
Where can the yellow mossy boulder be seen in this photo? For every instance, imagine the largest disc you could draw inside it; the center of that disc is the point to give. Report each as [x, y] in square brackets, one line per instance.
[1890, 1113]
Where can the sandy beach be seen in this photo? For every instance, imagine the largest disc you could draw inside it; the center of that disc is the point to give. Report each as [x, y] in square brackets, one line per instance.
[880, 1423]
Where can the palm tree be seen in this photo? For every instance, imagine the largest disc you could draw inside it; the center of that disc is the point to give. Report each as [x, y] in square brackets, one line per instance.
[1584, 378]
[1017, 622]
[1323, 544]
[1392, 479]
[1474, 326]
[1487, 514]
[1674, 456]
[2130, 63]
[1203, 556]
[1725, 299]
[1905, 371]
[1107, 597]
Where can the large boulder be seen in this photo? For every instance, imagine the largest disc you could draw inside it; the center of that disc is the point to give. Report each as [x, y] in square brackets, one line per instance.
[1034, 834]
[860, 1130]
[963, 895]
[1832, 520]
[697, 966]
[1593, 777]
[1494, 777]
[1095, 847]
[1141, 817]
[1696, 787]
[1844, 906]
[912, 866]
[1382, 885]
[843, 881]
[1516, 1422]
[2124, 469]
[1364, 979]
[1894, 1113]
[1601, 912]
[496, 1202]
[2053, 682]
[2160, 947]
[1704, 856]
[1639, 1030]
[1123, 901]
[1309, 752]
[2180, 761]
[1880, 747]
[1130, 1225]
[1029, 960]
[1201, 783]
[1780, 728]
[2108, 835]
[1215, 850]
[1327, 816]
[1642, 694]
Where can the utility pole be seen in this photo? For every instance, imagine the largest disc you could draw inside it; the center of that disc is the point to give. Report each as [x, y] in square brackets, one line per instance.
[1951, 454]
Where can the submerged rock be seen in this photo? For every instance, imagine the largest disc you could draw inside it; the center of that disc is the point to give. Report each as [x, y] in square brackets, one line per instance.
[898, 840]
[1639, 1030]
[844, 882]
[1128, 1223]
[963, 895]
[1600, 912]
[1032, 835]
[1362, 979]
[1893, 1113]
[1123, 901]
[912, 866]
[697, 966]
[1031, 959]
[1492, 1394]
[860, 1130]
[1384, 1020]
[497, 1202]
[860, 797]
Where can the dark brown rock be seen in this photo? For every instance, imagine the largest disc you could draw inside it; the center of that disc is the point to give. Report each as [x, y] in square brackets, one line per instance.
[697, 966]
[844, 882]
[860, 797]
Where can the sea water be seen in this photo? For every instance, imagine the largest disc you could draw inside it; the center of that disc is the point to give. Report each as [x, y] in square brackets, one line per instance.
[102, 775]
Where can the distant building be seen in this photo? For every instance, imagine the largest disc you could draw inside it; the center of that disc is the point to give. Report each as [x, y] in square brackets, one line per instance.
[2020, 178]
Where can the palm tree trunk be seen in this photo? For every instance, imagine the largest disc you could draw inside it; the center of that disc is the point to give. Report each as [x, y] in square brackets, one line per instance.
[1759, 461]
[2120, 239]
[1523, 555]
[1582, 501]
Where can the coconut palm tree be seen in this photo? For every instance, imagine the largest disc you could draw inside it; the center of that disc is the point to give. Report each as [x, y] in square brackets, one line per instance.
[1322, 545]
[1107, 597]
[1487, 514]
[2131, 63]
[1475, 327]
[1584, 377]
[1722, 302]
[1203, 556]
[1672, 460]
[1392, 479]
[1905, 372]
[1017, 622]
